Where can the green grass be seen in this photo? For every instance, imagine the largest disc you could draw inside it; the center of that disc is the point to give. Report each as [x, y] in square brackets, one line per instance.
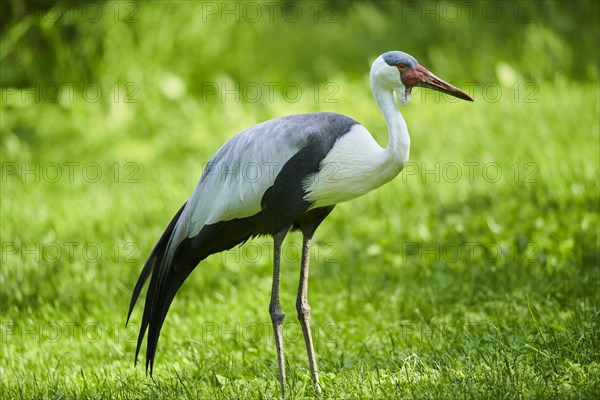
[451, 281]
[426, 288]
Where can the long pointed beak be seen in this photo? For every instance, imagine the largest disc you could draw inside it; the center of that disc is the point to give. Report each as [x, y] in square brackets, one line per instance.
[429, 80]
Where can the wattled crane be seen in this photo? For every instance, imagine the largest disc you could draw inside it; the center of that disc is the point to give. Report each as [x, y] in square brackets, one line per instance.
[225, 210]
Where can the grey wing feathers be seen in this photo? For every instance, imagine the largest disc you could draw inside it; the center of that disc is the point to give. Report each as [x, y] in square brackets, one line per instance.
[225, 193]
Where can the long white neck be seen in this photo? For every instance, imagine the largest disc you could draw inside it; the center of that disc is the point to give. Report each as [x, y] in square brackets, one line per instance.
[398, 147]
[361, 164]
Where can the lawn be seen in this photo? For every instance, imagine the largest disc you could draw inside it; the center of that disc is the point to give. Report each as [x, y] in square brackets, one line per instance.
[474, 274]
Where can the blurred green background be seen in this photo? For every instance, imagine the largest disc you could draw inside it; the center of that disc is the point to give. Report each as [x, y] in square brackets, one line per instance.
[109, 111]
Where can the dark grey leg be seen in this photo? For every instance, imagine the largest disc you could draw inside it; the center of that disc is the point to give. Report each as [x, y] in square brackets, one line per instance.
[304, 310]
[275, 310]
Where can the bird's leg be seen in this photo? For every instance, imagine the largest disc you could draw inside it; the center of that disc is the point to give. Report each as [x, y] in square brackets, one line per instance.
[275, 310]
[304, 310]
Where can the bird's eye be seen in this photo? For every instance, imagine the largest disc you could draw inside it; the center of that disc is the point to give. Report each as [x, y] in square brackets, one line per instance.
[401, 67]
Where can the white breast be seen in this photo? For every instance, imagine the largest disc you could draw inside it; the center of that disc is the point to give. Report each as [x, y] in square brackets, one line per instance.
[355, 165]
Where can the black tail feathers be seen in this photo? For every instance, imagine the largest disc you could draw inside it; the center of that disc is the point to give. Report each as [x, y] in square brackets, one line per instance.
[164, 283]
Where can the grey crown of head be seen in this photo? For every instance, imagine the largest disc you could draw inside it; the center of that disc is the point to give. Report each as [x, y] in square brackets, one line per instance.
[393, 58]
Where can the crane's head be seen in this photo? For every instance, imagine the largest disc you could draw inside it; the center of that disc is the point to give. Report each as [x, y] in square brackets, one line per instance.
[401, 72]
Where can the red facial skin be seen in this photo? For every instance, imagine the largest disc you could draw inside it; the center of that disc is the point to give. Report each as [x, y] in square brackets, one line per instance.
[420, 76]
